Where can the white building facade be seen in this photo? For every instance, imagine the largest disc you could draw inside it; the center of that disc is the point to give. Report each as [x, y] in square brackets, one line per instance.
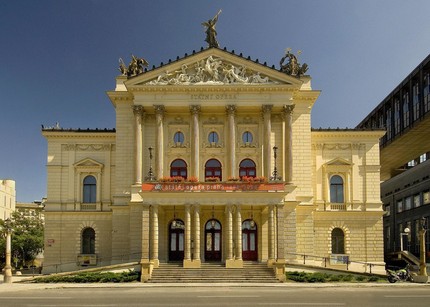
[213, 159]
[7, 198]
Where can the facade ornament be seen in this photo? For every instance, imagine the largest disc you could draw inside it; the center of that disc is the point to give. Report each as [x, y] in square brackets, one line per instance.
[211, 70]
[288, 108]
[293, 67]
[135, 67]
[138, 110]
[267, 108]
[211, 32]
[159, 109]
[195, 109]
[230, 109]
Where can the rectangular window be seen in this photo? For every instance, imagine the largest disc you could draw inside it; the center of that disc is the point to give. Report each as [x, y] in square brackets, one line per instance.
[416, 101]
[426, 92]
[388, 124]
[396, 116]
[426, 197]
[417, 200]
[408, 203]
[399, 206]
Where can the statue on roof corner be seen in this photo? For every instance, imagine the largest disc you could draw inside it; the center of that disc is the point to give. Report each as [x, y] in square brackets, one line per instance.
[135, 67]
[211, 32]
[293, 67]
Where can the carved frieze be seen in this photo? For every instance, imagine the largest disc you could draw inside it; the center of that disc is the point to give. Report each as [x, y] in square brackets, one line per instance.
[211, 71]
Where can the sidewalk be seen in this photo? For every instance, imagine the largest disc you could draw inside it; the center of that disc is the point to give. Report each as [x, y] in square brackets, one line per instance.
[19, 285]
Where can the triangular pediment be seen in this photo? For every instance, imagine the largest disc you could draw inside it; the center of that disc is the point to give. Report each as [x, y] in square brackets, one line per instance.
[339, 161]
[88, 163]
[213, 66]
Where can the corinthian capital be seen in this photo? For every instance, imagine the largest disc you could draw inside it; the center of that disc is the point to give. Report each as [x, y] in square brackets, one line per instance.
[195, 109]
[138, 110]
[288, 109]
[267, 108]
[230, 109]
[159, 109]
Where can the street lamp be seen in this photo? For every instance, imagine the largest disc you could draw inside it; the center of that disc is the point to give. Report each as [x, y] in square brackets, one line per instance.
[150, 176]
[423, 265]
[275, 175]
[405, 232]
[7, 279]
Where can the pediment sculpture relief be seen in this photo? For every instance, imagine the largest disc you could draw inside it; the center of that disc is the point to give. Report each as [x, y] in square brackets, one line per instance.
[211, 71]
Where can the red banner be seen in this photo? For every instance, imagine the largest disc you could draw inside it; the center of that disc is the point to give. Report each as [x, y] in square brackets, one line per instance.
[210, 187]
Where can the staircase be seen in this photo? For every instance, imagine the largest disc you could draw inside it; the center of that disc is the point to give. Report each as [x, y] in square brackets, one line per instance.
[252, 272]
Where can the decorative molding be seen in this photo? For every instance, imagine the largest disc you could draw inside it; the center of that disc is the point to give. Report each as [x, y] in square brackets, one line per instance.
[87, 147]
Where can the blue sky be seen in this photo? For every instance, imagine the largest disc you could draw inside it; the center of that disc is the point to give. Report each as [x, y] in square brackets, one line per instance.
[58, 58]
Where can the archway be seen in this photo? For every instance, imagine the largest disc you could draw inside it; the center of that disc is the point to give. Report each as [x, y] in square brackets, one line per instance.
[213, 240]
[176, 240]
[249, 241]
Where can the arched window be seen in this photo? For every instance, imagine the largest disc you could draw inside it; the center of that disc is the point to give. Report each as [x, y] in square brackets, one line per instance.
[247, 137]
[89, 189]
[247, 168]
[178, 168]
[213, 169]
[88, 241]
[337, 241]
[336, 189]
[178, 138]
[213, 137]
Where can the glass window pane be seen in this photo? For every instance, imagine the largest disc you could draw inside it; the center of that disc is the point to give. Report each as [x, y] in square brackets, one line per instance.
[173, 242]
[244, 242]
[217, 243]
[209, 242]
[252, 241]
[181, 242]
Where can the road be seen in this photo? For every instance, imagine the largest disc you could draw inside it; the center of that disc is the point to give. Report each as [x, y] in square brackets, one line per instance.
[219, 296]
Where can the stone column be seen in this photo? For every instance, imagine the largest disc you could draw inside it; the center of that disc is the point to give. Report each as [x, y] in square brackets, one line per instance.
[154, 235]
[187, 251]
[280, 232]
[238, 233]
[267, 135]
[145, 263]
[138, 112]
[229, 215]
[231, 111]
[197, 233]
[159, 147]
[195, 110]
[288, 152]
[271, 233]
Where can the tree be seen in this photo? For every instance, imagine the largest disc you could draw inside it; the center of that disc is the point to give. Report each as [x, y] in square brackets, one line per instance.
[27, 238]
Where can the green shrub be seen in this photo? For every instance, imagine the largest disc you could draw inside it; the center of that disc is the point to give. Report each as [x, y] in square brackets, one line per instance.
[93, 277]
[347, 277]
[323, 277]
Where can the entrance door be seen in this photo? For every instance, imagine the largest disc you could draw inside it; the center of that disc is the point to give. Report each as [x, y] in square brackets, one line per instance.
[176, 240]
[213, 240]
[249, 241]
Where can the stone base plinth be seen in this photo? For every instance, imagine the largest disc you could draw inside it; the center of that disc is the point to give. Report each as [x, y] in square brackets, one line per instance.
[191, 264]
[280, 269]
[146, 269]
[234, 263]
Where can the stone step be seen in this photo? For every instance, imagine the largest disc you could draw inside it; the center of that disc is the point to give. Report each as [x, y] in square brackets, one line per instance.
[213, 273]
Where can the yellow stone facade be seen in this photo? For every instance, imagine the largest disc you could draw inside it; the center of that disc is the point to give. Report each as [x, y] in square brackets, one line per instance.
[212, 107]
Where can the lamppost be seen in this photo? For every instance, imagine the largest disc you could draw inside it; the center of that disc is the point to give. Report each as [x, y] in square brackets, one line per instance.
[7, 279]
[150, 176]
[423, 266]
[275, 175]
[405, 232]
